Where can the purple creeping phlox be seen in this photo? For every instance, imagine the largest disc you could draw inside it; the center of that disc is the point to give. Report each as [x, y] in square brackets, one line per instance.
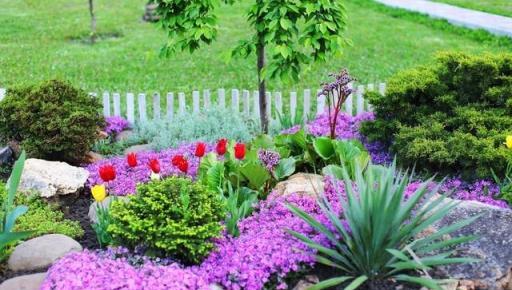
[115, 125]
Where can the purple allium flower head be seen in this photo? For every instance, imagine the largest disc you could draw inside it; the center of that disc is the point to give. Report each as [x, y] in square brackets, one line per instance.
[268, 158]
[115, 125]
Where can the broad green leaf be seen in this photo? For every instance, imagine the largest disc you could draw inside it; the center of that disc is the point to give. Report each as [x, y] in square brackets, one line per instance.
[285, 168]
[324, 147]
[330, 283]
[256, 174]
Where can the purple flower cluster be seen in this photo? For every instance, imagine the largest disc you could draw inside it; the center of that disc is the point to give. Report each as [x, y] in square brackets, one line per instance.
[96, 271]
[484, 191]
[127, 177]
[268, 158]
[339, 85]
[115, 125]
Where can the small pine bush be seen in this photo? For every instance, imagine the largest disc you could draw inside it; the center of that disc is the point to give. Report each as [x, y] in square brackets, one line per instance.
[53, 121]
[450, 117]
[174, 217]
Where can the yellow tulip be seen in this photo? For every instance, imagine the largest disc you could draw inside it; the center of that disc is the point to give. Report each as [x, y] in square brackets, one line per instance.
[508, 142]
[99, 192]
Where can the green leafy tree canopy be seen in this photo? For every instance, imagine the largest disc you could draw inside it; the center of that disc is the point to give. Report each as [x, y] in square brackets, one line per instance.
[289, 33]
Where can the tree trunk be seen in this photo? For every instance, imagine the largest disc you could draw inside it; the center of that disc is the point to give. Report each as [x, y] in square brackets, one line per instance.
[262, 87]
[93, 22]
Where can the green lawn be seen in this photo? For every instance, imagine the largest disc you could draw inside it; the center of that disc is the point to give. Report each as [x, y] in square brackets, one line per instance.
[500, 7]
[38, 41]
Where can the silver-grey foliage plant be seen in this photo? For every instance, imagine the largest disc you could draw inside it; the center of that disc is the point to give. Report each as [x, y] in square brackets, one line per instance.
[207, 126]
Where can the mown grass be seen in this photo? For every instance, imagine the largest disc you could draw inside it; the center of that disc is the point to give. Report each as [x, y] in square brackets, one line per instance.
[41, 40]
[500, 7]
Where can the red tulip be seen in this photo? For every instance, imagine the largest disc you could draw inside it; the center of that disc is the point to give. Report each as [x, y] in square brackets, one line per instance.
[107, 172]
[221, 146]
[240, 151]
[131, 159]
[200, 149]
[180, 162]
[154, 165]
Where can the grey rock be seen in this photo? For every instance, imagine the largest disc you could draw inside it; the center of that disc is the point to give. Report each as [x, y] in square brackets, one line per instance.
[124, 135]
[304, 183]
[138, 148]
[51, 178]
[41, 252]
[93, 216]
[493, 247]
[306, 282]
[212, 287]
[6, 155]
[25, 282]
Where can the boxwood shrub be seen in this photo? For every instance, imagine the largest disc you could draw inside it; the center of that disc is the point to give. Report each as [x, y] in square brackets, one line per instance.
[174, 217]
[53, 121]
[451, 116]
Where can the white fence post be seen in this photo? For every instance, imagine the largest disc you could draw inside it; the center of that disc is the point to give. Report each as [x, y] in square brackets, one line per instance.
[279, 104]
[142, 107]
[235, 100]
[106, 104]
[221, 98]
[349, 103]
[182, 104]
[246, 101]
[156, 106]
[293, 104]
[360, 100]
[382, 88]
[256, 102]
[206, 99]
[307, 104]
[117, 104]
[268, 97]
[320, 105]
[130, 108]
[170, 106]
[195, 101]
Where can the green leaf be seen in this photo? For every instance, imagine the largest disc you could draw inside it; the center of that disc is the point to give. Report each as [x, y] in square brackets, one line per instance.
[357, 282]
[427, 282]
[330, 283]
[333, 170]
[324, 147]
[285, 168]
[256, 174]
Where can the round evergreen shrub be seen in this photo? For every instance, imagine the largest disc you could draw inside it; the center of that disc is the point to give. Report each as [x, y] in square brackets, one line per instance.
[450, 117]
[53, 121]
[174, 217]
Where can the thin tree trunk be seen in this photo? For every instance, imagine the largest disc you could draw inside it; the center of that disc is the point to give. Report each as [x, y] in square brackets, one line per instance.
[262, 87]
[93, 21]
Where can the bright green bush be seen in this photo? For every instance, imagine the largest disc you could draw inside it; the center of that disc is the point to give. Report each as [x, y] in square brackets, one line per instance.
[43, 218]
[450, 117]
[52, 121]
[173, 217]
[207, 126]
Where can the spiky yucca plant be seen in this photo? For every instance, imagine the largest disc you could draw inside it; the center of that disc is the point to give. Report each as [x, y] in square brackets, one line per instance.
[383, 241]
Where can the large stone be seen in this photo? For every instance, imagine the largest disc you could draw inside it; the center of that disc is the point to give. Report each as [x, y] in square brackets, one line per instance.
[493, 246]
[124, 135]
[41, 252]
[93, 215]
[304, 183]
[138, 148]
[6, 155]
[25, 282]
[51, 178]
[306, 282]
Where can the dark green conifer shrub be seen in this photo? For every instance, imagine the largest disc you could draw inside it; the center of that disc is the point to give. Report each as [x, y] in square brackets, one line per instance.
[53, 121]
[450, 117]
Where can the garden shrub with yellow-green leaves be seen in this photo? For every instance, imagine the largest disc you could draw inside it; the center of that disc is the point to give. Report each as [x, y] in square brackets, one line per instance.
[43, 218]
[450, 117]
[173, 217]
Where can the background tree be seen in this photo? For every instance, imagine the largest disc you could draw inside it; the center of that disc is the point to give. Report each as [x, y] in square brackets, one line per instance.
[289, 33]
[93, 21]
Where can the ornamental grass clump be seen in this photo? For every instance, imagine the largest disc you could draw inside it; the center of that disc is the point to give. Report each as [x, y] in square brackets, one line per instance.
[174, 217]
[384, 221]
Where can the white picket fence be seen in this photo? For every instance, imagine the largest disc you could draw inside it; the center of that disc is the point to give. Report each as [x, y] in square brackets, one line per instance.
[247, 101]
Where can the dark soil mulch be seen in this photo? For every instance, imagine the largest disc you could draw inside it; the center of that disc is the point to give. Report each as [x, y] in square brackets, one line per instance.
[76, 207]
